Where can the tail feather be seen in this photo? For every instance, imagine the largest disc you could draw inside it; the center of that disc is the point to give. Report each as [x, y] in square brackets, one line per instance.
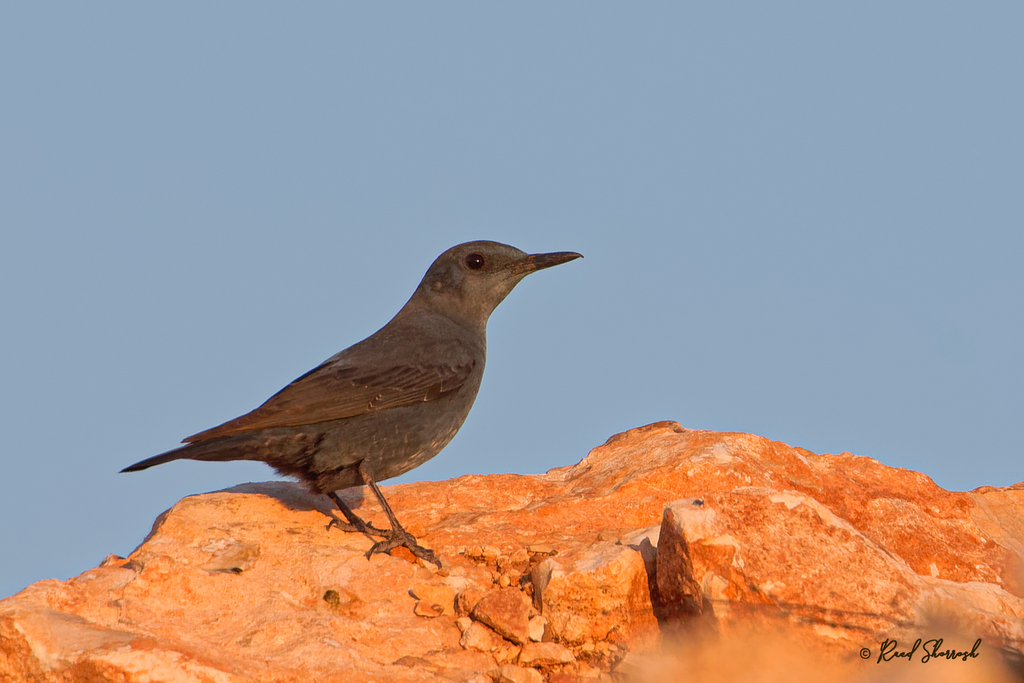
[214, 449]
[176, 454]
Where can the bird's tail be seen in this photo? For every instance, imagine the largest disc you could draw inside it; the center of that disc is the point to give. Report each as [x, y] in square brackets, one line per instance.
[155, 460]
[214, 449]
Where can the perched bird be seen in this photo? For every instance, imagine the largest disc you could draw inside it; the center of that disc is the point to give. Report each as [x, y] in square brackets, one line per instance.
[389, 403]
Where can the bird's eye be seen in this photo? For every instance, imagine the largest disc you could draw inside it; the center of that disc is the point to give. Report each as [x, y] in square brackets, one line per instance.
[475, 261]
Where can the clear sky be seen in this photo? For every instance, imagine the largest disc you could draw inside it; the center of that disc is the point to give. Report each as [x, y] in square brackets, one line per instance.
[801, 220]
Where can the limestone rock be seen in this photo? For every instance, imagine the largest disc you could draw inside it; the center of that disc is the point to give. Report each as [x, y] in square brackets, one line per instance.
[507, 611]
[545, 654]
[602, 593]
[483, 639]
[434, 601]
[536, 628]
[661, 531]
[467, 599]
[757, 556]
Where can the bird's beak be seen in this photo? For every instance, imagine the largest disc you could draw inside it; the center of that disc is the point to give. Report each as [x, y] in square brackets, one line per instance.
[535, 262]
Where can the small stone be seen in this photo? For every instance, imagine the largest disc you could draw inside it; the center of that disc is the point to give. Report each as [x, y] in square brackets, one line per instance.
[504, 581]
[463, 623]
[479, 637]
[510, 673]
[434, 601]
[541, 549]
[507, 611]
[424, 608]
[475, 553]
[490, 553]
[468, 599]
[587, 647]
[536, 628]
[545, 654]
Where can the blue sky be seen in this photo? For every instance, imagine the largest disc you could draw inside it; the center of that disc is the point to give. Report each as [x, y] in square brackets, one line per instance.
[799, 220]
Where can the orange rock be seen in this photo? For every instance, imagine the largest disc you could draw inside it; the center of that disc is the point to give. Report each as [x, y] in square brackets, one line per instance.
[467, 599]
[507, 611]
[836, 551]
[599, 592]
[483, 639]
[545, 654]
[536, 628]
[434, 601]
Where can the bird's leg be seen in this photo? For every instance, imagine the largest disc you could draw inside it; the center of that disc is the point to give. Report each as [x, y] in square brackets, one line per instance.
[353, 519]
[397, 535]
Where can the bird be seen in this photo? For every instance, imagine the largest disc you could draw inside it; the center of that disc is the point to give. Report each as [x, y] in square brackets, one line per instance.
[388, 403]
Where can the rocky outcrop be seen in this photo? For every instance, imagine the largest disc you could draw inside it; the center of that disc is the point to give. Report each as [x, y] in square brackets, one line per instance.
[658, 548]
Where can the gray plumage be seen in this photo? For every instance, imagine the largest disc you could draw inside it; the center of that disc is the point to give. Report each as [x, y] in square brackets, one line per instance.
[389, 403]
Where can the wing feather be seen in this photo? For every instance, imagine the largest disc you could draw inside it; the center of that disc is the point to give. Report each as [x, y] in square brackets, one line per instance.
[334, 391]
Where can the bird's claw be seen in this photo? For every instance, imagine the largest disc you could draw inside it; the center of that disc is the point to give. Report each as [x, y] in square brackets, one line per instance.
[366, 528]
[400, 537]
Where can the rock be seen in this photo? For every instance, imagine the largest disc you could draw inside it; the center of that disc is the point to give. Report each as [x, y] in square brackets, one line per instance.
[679, 592]
[483, 639]
[507, 611]
[661, 532]
[468, 599]
[463, 623]
[511, 673]
[453, 665]
[536, 628]
[486, 553]
[755, 558]
[425, 608]
[434, 601]
[545, 654]
[600, 592]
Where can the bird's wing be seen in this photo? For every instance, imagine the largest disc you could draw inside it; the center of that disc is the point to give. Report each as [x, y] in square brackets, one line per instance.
[334, 391]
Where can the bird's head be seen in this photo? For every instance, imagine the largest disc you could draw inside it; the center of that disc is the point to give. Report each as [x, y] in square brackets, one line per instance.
[468, 281]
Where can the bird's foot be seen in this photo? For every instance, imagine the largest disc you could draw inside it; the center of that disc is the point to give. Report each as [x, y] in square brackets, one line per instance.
[400, 537]
[360, 528]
